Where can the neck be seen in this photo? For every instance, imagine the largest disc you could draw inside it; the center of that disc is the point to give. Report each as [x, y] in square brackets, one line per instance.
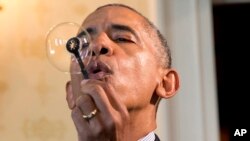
[142, 121]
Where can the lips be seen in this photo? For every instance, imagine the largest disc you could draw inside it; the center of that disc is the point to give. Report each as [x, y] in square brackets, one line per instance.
[98, 70]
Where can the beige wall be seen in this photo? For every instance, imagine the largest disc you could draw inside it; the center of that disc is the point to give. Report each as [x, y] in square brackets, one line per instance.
[32, 95]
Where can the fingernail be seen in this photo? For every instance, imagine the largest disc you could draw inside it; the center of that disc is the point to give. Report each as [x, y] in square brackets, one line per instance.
[84, 81]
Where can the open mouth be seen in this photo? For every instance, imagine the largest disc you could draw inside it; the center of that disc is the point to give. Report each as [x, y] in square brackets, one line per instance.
[98, 70]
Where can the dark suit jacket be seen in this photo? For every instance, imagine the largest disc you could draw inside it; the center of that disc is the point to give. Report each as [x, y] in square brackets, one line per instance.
[156, 138]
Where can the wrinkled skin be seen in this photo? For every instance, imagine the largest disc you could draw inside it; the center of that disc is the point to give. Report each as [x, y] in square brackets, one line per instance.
[126, 80]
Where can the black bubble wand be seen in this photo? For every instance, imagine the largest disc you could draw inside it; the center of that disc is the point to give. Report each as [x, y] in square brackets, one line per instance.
[74, 46]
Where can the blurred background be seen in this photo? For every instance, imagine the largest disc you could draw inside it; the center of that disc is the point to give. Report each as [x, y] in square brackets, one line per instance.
[208, 39]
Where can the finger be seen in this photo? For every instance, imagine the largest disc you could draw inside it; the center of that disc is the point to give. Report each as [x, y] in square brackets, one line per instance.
[109, 93]
[101, 94]
[85, 103]
[80, 123]
[108, 115]
[95, 124]
[69, 95]
[75, 83]
[94, 89]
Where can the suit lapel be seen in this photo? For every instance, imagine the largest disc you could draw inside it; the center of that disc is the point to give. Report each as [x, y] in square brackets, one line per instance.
[156, 138]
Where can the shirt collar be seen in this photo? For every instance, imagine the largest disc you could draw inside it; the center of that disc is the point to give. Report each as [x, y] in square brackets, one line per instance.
[149, 137]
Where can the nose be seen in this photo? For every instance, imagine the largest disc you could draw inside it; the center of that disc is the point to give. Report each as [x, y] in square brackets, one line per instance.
[101, 45]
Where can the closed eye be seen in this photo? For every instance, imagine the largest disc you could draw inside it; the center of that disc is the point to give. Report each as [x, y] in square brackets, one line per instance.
[123, 40]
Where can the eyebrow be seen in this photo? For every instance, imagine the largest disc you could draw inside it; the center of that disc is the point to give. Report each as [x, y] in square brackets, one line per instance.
[118, 27]
[125, 28]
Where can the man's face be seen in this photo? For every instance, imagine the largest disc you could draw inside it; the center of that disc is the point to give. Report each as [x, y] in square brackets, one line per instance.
[123, 54]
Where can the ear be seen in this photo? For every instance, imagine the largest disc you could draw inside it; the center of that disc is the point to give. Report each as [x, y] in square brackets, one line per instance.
[169, 84]
[69, 95]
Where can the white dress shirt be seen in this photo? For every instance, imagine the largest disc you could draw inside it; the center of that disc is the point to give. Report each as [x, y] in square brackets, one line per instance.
[149, 137]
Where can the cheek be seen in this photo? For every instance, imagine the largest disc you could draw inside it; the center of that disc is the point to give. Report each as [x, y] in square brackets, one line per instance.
[131, 69]
[135, 77]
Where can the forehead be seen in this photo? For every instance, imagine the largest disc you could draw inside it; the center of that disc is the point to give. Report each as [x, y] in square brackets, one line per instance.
[103, 18]
[114, 15]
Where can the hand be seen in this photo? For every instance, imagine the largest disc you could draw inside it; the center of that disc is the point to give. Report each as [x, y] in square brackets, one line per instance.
[111, 122]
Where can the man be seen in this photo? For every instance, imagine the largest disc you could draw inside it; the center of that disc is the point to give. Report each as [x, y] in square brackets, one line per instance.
[130, 72]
